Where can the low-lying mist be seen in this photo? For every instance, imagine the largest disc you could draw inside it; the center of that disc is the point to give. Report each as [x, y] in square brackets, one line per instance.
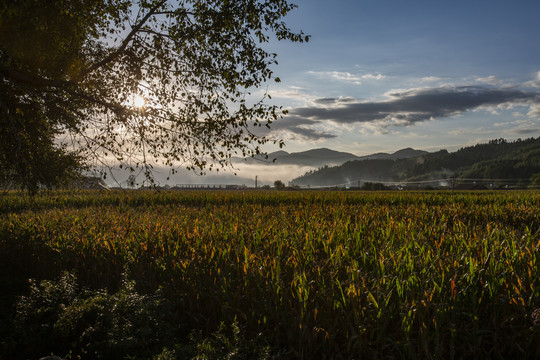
[245, 175]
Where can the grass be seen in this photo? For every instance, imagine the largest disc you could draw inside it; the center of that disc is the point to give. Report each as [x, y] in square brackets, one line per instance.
[284, 275]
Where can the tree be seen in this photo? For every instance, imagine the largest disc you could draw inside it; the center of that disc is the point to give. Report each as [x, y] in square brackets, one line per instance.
[534, 181]
[278, 184]
[29, 156]
[135, 82]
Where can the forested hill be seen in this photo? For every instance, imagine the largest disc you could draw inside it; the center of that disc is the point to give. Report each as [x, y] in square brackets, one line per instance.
[498, 159]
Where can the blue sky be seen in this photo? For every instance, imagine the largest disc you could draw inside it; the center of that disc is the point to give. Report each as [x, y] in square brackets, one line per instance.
[384, 75]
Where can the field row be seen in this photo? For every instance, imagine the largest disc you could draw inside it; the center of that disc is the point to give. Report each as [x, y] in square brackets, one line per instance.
[319, 275]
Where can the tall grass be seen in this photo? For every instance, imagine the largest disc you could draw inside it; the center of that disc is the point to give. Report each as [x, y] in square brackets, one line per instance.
[314, 274]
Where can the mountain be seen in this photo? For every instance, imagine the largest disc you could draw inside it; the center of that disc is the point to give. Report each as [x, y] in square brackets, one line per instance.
[495, 161]
[326, 157]
[316, 157]
[400, 154]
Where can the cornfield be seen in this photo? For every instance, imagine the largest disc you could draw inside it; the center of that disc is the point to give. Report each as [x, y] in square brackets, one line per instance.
[309, 275]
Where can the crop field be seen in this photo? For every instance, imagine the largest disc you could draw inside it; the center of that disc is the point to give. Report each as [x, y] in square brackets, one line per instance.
[270, 275]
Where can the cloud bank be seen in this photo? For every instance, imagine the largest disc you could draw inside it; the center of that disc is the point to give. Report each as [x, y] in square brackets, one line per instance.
[403, 108]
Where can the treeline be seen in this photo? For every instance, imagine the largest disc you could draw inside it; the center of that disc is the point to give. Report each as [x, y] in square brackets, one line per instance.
[518, 161]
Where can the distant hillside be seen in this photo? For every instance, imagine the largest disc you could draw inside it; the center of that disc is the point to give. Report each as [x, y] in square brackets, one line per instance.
[400, 154]
[315, 157]
[373, 170]
[326, 157]
[498, 159]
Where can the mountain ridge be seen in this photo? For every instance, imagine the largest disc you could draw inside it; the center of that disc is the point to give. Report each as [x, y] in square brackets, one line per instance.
[325, 157]
[497, 159]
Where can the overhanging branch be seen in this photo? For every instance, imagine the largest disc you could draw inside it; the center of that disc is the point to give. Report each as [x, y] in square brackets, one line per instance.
[113, 55]
[20, 77]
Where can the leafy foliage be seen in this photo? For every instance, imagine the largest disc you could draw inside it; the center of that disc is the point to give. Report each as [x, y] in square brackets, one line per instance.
[29, 156]
[61, 317]
[292, 274]
[73, 68]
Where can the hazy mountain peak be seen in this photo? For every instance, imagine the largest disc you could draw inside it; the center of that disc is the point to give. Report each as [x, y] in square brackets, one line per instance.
[276, 154]
[400, 154]
[323, 152]
[325, 156]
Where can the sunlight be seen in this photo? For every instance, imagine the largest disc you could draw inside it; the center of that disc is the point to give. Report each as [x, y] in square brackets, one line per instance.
[138, 101]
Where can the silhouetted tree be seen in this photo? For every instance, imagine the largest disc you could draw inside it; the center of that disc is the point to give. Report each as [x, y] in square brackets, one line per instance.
[278, 184]
[72, 70]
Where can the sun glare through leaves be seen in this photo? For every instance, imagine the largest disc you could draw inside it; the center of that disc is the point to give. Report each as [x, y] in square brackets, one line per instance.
[139, 101]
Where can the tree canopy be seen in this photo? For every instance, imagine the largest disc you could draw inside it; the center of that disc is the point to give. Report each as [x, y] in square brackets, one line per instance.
[134, 82]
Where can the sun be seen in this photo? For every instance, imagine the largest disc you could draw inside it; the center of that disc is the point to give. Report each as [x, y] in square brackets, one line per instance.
[139, 101]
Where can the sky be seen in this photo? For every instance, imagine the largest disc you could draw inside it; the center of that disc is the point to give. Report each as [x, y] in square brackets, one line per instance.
[382, 75]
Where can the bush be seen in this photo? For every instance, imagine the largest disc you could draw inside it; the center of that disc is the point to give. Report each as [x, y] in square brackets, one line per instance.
[59, 317]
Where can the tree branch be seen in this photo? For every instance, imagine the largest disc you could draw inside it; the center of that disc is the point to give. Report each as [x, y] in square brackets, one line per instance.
[13, 74]
[112, 56]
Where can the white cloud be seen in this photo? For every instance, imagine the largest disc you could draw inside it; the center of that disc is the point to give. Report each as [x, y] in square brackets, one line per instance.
[525, 127]
[347, 76]
[431, 79]
[535, 82]
[472, 131]
[490, 80]
[373, 77]
[520, 127]
[292, 92]
[534, 112]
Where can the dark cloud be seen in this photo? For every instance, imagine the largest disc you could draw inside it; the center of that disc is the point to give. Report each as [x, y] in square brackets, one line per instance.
[297, 126]
[300, 126]
[310, 134]
[407, 107]
[333, 101]
[526, 131]
[327, 101]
